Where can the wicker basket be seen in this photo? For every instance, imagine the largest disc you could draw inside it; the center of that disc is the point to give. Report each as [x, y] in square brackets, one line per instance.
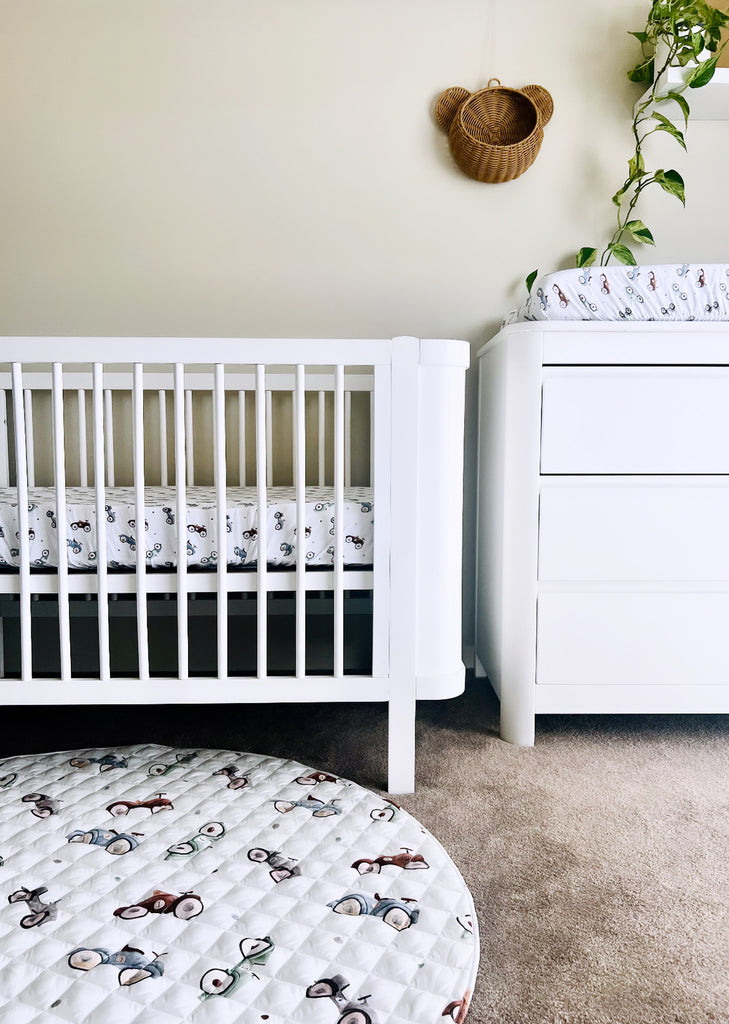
[495, 133]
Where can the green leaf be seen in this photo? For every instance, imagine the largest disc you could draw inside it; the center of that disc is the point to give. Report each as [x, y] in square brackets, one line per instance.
[636, 166]
[622, 253]
[585, 257]
[682, 102]
[642, 37]
[618, 197]
[671, 182]
[702, 73]
[638, 231]
[664, 125]
[642, 72]
[531, 278]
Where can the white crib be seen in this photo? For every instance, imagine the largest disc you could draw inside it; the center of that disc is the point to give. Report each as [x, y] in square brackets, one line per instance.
[375, 423]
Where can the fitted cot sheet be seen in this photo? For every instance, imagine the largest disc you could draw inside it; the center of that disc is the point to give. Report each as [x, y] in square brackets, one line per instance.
[160, 529]
[666, 292]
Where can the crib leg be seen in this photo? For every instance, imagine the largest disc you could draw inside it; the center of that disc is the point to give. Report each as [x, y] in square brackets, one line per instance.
[401, 742]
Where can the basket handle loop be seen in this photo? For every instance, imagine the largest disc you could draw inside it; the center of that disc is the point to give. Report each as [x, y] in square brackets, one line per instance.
[497, 80]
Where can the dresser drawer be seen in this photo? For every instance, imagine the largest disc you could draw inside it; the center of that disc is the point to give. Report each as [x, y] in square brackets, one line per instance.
[625, 528]
[635, 420]
[634, 638]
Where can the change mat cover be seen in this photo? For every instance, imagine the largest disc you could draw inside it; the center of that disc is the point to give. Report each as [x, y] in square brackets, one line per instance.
[154, 885]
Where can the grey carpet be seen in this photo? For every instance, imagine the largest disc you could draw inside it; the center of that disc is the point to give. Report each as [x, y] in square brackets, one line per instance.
[599, 859]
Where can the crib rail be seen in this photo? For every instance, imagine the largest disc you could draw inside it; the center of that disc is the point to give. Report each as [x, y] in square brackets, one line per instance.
[252, 414]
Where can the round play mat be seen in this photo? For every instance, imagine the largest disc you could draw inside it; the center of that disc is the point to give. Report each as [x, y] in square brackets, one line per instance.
[153, 885]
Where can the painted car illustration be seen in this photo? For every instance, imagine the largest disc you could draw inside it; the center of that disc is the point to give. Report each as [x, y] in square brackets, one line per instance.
[201, 531]
[134, 964]
[281, 866]
[397, 913]
[458, 1009]
[318, 808]
[116, 843]
[406, 859]
[316, 777]
[155, 804]
[184, 907]
[105, 763]
[45, 806]
[7, 780]
[350, 1011]
[203, 839]
[235, 779]
[220, 981]
[40, 912]
[74, 545]
[159, 768]
[81, 524]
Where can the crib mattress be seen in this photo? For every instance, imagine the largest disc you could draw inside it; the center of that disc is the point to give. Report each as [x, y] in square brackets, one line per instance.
[656, 293]
[232, 887]
[160, 530]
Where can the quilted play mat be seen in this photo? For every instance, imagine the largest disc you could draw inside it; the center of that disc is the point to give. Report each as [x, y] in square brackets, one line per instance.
[153, 885]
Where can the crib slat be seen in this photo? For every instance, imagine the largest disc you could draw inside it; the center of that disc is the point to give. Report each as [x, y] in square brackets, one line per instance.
[189, 437]
[162, 399]
[221, 503]
[262, 565]
[4, 460]
[26, 655]
[299, 432]
[29, 441]
[339, 522]
[242, 438]
[181, 514]
[322, 437]
[59, 474]
[83, 473]
[141, 540]
[269, 439]
[347, 438]
[380, 420]
[109, 417]
[102, 581]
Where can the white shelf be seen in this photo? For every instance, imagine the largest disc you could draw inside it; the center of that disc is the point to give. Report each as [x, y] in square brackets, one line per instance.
[709, 103]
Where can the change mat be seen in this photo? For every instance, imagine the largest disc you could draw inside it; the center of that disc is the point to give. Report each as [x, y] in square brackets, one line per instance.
[154, 885]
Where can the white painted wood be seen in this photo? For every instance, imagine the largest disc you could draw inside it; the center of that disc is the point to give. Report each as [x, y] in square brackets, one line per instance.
[29, 438]
[338, 556]
[381, 432]
[4, 451]
[300, 483]
[403, 571]
[102, 588]
[635, 420]
[21, 473]
[242, 438]
[634, 528]
[109, 417]
[221, 506]
[347, 438]
[190, 439]
[633, 699]
[83, 451]
[163, 468]
[141, 565]
[181, 521]
[262, 539]
[632, 638]
[269, 438]
[322, 435]
[59, 474]
[372, 438]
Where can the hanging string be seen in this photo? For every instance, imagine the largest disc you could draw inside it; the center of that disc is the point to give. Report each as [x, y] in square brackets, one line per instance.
[487, 68]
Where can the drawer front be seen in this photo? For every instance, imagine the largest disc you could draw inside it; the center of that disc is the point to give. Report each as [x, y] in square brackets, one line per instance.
[612, 528]
[632, 638]
[635, 420]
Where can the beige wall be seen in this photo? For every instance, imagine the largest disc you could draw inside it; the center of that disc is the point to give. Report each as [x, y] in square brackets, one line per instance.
[225, 167]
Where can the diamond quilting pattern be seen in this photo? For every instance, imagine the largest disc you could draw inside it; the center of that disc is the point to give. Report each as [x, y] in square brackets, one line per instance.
[149, 885]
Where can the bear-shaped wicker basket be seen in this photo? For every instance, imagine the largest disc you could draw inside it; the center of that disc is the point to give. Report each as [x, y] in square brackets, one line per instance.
[495, 133]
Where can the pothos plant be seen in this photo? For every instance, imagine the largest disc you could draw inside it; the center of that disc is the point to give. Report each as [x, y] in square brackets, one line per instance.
[676, 33]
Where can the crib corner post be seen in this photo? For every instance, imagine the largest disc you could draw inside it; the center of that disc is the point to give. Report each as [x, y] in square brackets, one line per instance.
[405, 392]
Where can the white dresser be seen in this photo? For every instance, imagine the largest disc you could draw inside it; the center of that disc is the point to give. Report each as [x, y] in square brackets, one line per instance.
[603, 519]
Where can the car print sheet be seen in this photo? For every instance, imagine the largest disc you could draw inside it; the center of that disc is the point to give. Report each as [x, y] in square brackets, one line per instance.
[159, 535]
[690, 291]
[151, 885]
